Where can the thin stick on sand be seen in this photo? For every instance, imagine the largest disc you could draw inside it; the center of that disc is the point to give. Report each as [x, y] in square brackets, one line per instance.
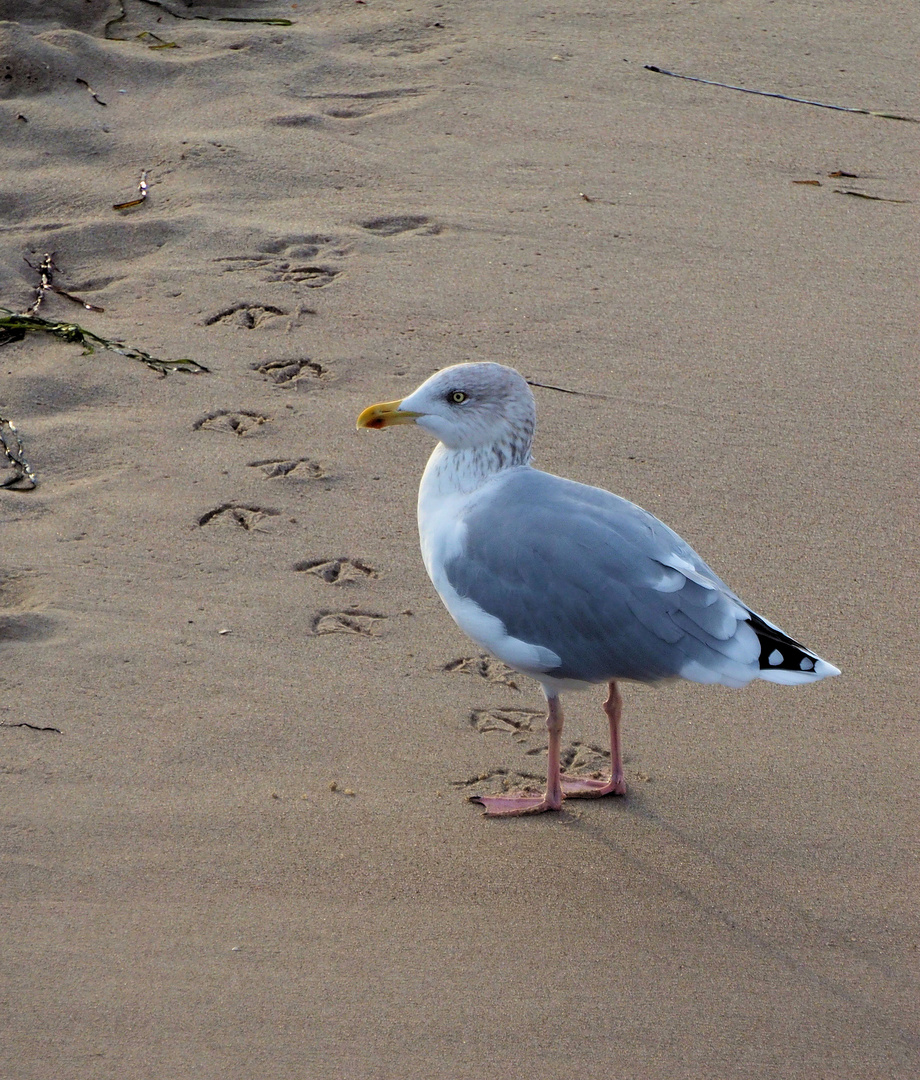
[784, 97]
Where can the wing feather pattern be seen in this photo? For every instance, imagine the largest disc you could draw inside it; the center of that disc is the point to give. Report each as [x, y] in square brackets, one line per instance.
[618, 593]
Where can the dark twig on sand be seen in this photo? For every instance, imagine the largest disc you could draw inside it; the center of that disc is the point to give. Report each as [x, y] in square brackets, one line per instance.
[784, 97]
[865, 195]
[31, 727]
[93, 93]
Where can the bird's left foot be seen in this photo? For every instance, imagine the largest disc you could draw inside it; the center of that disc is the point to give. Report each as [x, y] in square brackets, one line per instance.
[589, 787]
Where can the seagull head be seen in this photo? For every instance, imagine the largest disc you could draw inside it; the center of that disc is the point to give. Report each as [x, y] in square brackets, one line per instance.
[467, 407]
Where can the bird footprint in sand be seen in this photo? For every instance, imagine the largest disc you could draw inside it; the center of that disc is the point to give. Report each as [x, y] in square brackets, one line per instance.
[295, 373]
[346, 622]
[243, 517]
[337, 571]
[235, 423]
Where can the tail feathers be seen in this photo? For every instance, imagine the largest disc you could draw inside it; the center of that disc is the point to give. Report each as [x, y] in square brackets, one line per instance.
[783, 660]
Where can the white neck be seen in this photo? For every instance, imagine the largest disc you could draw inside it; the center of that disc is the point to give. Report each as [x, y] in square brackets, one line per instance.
[459, 472]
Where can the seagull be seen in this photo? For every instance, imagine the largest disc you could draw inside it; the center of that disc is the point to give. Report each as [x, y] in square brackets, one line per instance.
[566, 583]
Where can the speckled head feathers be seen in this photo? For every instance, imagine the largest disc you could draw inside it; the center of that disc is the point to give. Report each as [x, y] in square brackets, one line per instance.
[472, 406]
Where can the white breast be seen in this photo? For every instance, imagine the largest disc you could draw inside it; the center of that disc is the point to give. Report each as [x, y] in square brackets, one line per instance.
[442, 507]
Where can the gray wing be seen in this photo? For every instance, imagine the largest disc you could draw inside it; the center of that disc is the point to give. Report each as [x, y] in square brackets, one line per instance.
[606, 586]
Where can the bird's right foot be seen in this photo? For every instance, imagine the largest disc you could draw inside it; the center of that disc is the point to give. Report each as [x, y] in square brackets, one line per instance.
[516, 804]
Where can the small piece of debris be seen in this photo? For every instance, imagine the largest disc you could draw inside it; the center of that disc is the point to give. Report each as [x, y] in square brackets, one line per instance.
[92, 92]
[142, 191]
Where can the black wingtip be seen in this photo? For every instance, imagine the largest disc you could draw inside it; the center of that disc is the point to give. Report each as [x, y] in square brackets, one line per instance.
[780, 652]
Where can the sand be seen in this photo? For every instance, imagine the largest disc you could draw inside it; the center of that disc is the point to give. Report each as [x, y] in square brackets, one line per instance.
[238, 729]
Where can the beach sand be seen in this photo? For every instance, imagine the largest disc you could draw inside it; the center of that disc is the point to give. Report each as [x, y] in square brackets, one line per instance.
[238, 728]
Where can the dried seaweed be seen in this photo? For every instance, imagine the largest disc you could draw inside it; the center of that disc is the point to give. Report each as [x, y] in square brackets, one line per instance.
[178, 15]
[45, 270]
[21, 478]
[14, 327]
[782, 97]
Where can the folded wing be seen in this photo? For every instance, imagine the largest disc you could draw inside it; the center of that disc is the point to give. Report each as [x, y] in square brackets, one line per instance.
[610, 590]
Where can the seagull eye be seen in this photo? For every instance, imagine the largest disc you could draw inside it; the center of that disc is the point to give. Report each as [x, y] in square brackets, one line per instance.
[457, 397]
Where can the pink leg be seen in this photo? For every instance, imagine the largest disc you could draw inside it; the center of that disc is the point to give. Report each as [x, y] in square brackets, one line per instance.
[516, 803]
[587, 787]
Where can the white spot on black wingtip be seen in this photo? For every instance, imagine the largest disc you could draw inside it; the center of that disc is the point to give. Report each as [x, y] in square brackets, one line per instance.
[784, 660]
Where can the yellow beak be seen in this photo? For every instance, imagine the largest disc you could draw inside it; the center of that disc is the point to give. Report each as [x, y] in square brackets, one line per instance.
[385, 415]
